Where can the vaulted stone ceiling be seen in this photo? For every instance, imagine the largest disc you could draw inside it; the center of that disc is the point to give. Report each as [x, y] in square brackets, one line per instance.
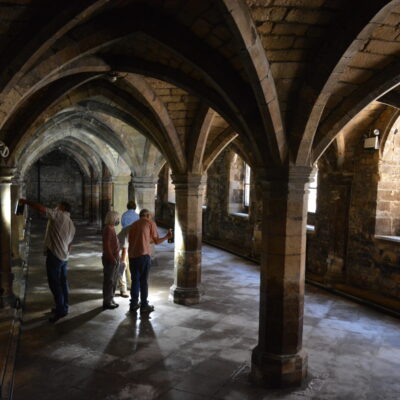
[282, 78]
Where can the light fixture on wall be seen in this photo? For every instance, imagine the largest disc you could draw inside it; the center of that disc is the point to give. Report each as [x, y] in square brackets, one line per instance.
[4, 150]
[372, 140]
[114, 76]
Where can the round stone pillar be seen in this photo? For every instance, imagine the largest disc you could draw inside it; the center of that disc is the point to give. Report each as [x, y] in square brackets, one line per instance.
[87, 200]
[188, 239]
[6, 174]
[95, 217]
[120, 193]
[145, 192]
[17, 221]
[279, 360]
[106, 197]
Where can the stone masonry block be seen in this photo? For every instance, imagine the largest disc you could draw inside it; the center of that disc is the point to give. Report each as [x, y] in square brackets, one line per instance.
[177, 91]
[201, 28]
[163, 92]
[290, 29]
[265, 27]
[177, 114]
[287, 70]
[269, 13]
[383, 226]
[171, 99]
[299, 3]
[176, 106]
[285, 55]
[356, 75]
[386, 32]
[277, 42]
[383, 47]
[308, 16]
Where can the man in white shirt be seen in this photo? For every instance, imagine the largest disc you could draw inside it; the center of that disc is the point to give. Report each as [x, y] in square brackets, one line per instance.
[59, 235]
[128, 218]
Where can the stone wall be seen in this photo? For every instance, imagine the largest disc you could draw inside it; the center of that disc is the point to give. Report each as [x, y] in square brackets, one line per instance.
[342, 250]
[236, 231]
[355, 204]
[165, 210]
[224, 222]
[56, 177]
[388, 194]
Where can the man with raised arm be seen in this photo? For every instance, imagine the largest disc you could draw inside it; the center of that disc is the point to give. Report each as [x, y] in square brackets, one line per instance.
[59, 235]
[141, 233]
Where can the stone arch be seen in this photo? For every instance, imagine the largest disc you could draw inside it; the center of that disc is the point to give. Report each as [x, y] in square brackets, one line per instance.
[68, 121]
[43, 40]
[354, 104]
[55, 134]
[324, 83]
[198, 139]
[217, 146]
[85, 156]
[83, 163]
[159, 109]
[234, 93]
[260, 74]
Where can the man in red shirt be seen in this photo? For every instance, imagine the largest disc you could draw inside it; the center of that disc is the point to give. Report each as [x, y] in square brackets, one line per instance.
[141, 233]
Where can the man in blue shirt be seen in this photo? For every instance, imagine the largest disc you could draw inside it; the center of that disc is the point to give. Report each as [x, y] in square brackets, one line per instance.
[130, 216]
[127, 219]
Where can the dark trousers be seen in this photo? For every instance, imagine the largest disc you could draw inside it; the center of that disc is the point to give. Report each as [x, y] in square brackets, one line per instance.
[140, 267]
[110, 275]
[57, 278]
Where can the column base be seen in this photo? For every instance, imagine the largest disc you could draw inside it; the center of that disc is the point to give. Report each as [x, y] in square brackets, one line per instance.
[278, 371]
[185, 296]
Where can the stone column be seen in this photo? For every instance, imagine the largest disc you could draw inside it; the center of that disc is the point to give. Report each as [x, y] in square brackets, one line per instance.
[17, 221]
[95, 217]
[188, 237]
[6, 174]
[145, 192]
[278, 360]
[106, 197]
[87, 200]
[120, 193]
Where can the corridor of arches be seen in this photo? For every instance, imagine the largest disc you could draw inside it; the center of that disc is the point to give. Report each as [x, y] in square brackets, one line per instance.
[220, 117]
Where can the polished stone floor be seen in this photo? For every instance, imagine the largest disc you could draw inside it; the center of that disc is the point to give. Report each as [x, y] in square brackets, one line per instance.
[189, 353]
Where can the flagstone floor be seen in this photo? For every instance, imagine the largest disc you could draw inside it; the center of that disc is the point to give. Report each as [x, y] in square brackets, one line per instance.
[189, 353]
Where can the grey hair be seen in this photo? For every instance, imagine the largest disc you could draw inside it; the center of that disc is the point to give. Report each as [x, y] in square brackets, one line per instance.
[111, 218]
[144, 213]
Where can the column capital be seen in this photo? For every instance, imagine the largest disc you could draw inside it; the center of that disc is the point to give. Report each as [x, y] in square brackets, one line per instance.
[143, 182]
[191, 181]
[7, 173]
[17, 178]
[294, 175]
[121, 180]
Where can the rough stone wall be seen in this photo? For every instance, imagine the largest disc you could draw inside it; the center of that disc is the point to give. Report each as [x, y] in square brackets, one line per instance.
[238, 233]
[343, 248]
[327, 245]
[388, 196]
[235, 166]
[60, 179]
[165, 211]
[223, 190]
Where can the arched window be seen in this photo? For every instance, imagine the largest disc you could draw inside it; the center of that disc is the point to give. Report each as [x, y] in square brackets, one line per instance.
[312, 196]
[171, 188]
[247, 173]
[239, 185]
[388, 185]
